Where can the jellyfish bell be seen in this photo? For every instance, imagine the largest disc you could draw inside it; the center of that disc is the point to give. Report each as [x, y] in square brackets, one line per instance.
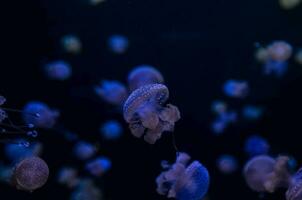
[68, 176]
[118, 44]
[71, 44]
[256, 145]
[294, 191]
[236, 88]
[98, 166]
[261, 54]
[227, 164]
[146, 113]
[111, 130]
[84, 150]
[58, 70]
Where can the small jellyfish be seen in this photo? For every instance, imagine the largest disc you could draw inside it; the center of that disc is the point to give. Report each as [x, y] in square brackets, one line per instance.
[250, 112]
[47, 117]
[143, 75]
[223, 120]
[58, 70]
[218, 127]
[111, 130]
[227, 164]
[183, 181]
[6, 173]
[30, 174]
[219, 107]
[71, 44]
[112, 92]
[84, 150]
[146, 113]
[118, 44]
[236, 88]
[86, 190]
[294, 191]
[266, 174]
[98, 166]
[289, 4]
[298, 57]
[68, 176]
[256, 145]
[261, 55]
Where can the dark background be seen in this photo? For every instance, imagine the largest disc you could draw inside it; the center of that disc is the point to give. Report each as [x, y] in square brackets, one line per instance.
[197, 45]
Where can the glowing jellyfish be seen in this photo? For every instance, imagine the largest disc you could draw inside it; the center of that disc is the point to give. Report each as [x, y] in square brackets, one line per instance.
[47, 117]
[261, 55]
[183, 181]
[58, 70]
[294, 191]
[236, 88]
[256, 145]
[30, 174]
[289, 4]
[250, 112]
[111, 130]
[219, 107]
[223, 120]
[71, 44]
[68, 176]
[87, 190]
[84, 150]
[112, 92]
[227, 164]
[118, 44]
[298, 57]
[144, 75]
[3, 114]
[266, 174]
[147, 114]
[98, 166]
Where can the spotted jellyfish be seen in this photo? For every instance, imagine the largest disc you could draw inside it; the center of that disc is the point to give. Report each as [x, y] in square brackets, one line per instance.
[68, 176]
[98, 166]
[143, 75]
[289, 4]
[111, 130]
[84, 150]
[183, 180]
[58, 70]
[227, 164]
[118, 44]
[294, 191]
[256, 145]
[147, 114]
[71, 44]
[236, 88]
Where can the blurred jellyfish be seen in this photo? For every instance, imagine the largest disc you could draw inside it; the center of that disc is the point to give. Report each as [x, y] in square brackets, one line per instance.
[6, 173]
[223, 120]
[30, 174]
[143, 75]
[266, 174]
[3, 114]
[58, 70]
[289, 4]
[298, 57]
[98, 166]
[47, 117]
[219, 107]
[112, 92]
[236, 88]
[256, 145]
[250, 112]
[96, 2]
[118, 44]
[218, 127]
[68, 176]
[227, 164]
[111, 130]
[87, 190]
[261, 55]
[71, 44]
[146, 113]
[84, 150]
[183, 181]
[294, 191]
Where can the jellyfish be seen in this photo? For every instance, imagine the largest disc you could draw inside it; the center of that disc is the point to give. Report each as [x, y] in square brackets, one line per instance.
[223, 120]
[112, 92]
[298, 57]
[111, 130]
[236, 88]
[86, 190]
[147, 114]
[71, 44]
[3, 114]
[261, 55]
[219, 107]
[294, 191]
[30, 174]
[98, 166]
[118, 44]
[289, 4]
[6, 173]
[266, 174]
[250, 112]
[143, 75]
[227, 164]
[68, 176]
[96, 2]
[256, 145]
[58, 70]
[84, 150]
[183, 181]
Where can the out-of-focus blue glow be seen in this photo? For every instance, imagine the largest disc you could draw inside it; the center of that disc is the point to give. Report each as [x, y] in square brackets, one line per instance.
[84, 150]
[219, 107]
[236, 88]
[99, 166]
[58, 70]
[68, 176]
[250, 112]
[227, 164]
[256, 145]
[86, 190]
[111, 130]
[118, 44]
[71, 44]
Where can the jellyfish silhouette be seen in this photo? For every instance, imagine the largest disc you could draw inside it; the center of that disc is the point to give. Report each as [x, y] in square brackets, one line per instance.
[294, 191]
[98, 166]
[118, 44]
[84, 150]
[256, 145]
[266, 174]
[111, 130]
[183, 181]
[236, 88]
[227, 164]
[30, 174]
[146, 113]
[58, 70]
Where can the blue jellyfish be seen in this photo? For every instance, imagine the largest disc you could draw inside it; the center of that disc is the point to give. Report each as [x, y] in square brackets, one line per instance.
[256, 145]
[227, 164]
[84, 150]
[236, 88]
[143, 75]
[86, 190]
[223, 120]
[58, 70]
[294, 191]
[68, 176]
[183, 181]
[118, 44]
[47, 117]
[266, 174]
[146, 113]
[111, 130]
[6, 173]
[98, 166]
[219, 107]
[112, 92]
[250, 112]
[71, 44]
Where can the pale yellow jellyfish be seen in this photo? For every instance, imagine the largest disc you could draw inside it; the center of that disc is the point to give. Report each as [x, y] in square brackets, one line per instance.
[289, 4]
[298, 57]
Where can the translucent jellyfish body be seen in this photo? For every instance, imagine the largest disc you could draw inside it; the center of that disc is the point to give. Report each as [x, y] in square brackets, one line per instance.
[30, 174]
[111, 130]
[46, 117]
[256, 145]
[71, 44]
[266, 174]
[84, 150]
[86, 190]
[98, 166]
[144, 75]
[112, 92]
[146, 113]
[227, 164]
[58, 70]
[118, 44]
[236, 88]
[250, 112]
[68, 176]
[183, 181]
[294, 191]
[289, 4]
